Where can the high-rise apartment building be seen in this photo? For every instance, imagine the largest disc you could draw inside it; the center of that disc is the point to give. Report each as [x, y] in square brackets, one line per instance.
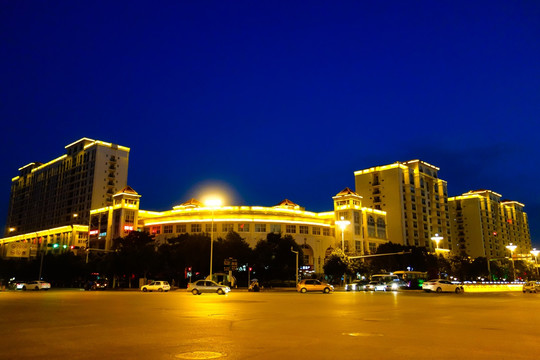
[414, 198]
[62, 191]
[483, 225]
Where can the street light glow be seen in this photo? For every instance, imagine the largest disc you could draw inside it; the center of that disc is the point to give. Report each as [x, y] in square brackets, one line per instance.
[437, 239]
[342, 225]
[512, 248]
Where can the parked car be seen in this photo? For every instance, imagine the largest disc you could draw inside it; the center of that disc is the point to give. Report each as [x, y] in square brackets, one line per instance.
[441, 285]
[380, 286]
[33, 285]
[531, 286]
[156, 286]
[356, 285]
[370, 286]
[207, 286]
[313, 285]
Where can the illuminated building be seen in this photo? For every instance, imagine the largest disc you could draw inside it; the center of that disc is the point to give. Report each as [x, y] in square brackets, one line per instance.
[56, 240]
[483, 225]
[62, 191]
[114, 221]
[314, 232]
[414, 199]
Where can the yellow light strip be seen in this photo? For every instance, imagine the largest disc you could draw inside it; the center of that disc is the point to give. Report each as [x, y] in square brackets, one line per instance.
[49, 163]
[82, 139]
[25, 166]
[236, 220]
[380, 168]
[15, 178]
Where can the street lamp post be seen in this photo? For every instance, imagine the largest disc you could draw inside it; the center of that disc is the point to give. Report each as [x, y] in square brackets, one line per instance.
[535, 253]
[437, 238]
[512, 248]
[296, 252]
[342, 225]
[212, 203]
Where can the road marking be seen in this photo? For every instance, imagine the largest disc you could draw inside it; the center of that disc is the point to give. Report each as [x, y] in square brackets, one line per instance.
[200, 355]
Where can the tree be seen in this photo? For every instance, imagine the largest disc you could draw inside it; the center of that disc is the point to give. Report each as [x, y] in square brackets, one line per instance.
[273, 259]
[337, 265]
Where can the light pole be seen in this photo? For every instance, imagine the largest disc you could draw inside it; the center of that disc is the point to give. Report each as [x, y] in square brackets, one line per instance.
[212, 203]
[342, 225]
[512, 248]
[535, 254]
[296, 252]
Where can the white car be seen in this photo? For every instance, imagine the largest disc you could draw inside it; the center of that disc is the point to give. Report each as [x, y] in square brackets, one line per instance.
[156, 286]
[207, 286]
[441, 285]
[33, 285]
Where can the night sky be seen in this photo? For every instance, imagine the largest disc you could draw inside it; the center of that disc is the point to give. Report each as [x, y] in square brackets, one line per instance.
[277, 99]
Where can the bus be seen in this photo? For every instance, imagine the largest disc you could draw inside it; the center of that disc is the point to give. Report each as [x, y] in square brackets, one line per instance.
[384, 277]
[414, 279]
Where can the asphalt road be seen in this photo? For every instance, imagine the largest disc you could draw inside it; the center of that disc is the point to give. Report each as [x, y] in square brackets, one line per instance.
[73, 324]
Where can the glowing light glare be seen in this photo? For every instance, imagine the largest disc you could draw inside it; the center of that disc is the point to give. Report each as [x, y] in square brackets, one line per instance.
[511, 247]
[535, 252]
[213, 202]
[343, 223]
[437, 239]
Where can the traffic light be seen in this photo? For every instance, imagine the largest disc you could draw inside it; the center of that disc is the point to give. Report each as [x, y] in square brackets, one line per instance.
[72, 247]
[64, 246]
[54, 246]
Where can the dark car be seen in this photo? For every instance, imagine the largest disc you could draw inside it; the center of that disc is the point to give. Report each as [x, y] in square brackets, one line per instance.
[97, 284]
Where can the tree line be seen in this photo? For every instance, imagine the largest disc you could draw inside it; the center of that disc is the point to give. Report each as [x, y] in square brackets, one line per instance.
[187, 258]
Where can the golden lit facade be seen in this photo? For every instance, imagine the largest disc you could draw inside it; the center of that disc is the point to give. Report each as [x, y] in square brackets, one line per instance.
[414, 199]
[314, 232]
[114, 221]
[64, 238]
[483, 225]
[62, 191]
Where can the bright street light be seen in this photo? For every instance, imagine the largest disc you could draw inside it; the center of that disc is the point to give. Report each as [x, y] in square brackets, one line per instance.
[342, 225]
[212, 203]
[437, 240]
[512, 248]
[535, 254]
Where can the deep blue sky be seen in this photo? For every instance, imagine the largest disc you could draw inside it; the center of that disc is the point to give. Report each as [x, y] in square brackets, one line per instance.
[277, 99]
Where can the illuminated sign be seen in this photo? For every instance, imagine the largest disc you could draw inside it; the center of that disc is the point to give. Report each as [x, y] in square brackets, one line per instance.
[128, 228]
[93, 232]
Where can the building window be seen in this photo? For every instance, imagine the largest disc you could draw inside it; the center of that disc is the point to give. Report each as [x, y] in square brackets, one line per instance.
[303, 229]
[275, 228]
[290, 229]
[208, 228]
[196, 228]
[181, 228]
[243, 227]
[372, 248]
[260, 228]
[155, 230]
[326, 231]
[227, 227]
[167, 229]
[315, 230]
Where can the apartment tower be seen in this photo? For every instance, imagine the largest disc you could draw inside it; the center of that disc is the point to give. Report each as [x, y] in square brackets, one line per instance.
[483, 225]
[414, 198]
[62, 191]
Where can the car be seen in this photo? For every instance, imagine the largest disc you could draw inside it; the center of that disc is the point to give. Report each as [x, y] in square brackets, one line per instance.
[314, 285]
[99, 284]
[395, 285]
[33, 285]
[380, 286]
[207, 286]
[531, 286]
[441, 285]
[156, 286]
[370, 286]
[356, 285]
